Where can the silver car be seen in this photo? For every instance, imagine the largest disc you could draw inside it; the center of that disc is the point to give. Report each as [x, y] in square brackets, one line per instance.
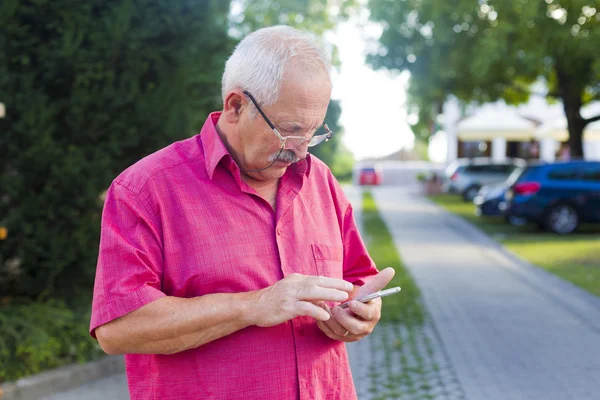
[467, 176]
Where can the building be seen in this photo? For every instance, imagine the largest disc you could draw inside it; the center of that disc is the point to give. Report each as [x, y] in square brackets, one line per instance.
[535, 130]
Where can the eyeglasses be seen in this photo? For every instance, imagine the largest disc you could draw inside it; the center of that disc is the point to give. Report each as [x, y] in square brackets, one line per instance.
[312, 141]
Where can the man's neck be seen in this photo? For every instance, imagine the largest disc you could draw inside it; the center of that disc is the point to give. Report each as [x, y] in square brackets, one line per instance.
[267, 189]
[260, 185]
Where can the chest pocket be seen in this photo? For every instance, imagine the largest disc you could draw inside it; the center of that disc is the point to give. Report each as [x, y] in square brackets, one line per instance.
[328, 260]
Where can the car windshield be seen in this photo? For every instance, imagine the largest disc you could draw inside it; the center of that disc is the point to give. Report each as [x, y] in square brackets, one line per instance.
[451, 168]
[515, 175]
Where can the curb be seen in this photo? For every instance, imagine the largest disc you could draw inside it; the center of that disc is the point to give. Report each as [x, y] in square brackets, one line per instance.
[58, 380]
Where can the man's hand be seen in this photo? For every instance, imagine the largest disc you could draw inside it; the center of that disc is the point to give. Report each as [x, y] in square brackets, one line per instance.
[297, 295]
[359, 319]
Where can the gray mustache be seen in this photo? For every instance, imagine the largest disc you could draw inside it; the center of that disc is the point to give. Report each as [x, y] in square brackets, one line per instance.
[285, 156]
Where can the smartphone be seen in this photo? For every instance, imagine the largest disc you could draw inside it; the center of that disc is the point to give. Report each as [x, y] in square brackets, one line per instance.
[381, 293]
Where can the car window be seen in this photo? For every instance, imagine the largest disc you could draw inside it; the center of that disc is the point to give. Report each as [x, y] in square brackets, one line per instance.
[509, 168]
[499, 169]
[528, 173]
[454, 168]
[563, 174]
[591, 174]
[476, 169]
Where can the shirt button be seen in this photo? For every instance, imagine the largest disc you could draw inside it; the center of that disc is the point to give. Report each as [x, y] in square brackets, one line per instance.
[301, 332]
[279, 231]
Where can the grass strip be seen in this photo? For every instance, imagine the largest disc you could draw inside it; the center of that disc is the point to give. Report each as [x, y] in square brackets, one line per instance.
[402, 361]
[405, 307]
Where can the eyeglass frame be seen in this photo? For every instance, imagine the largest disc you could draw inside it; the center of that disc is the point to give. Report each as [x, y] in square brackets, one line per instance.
[327, 135]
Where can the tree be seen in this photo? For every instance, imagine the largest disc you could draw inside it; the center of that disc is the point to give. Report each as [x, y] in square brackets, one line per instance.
[493, 50]
[316, 16]
[91, 87]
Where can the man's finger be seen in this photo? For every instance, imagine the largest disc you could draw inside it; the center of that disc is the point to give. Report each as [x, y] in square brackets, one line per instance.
[310, 310]
[367, 311]
[327, 330]
[316, 293]
[376, 283]
[334, 325]
[349, 322]
[334, 283]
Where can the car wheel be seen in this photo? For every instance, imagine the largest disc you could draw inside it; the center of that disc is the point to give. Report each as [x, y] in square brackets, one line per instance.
[470, 193]
[562, 219]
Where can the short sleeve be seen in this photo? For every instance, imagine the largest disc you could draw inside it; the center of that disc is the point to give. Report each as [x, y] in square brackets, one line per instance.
[130, 259]
[358, 265]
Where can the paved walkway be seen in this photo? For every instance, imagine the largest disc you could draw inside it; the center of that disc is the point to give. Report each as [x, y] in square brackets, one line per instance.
[511, 331]
[110, 388]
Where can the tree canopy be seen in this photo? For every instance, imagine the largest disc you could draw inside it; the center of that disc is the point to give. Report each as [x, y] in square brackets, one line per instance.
[492, 49]
[90, 87]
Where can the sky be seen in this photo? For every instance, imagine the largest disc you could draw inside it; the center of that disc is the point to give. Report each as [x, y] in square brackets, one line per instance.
[373, 102]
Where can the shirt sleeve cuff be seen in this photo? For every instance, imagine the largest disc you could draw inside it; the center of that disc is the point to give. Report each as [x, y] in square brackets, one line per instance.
[132, 301]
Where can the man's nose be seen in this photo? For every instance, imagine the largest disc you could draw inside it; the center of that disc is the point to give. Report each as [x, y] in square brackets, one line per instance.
[298, 148]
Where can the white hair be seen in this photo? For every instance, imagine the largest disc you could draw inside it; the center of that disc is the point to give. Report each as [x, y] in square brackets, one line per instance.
[259, 61]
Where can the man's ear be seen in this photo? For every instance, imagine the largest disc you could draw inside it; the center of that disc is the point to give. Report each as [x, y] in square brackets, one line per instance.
[235, 103]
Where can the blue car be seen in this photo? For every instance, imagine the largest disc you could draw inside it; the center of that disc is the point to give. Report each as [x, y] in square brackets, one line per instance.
[557, 196]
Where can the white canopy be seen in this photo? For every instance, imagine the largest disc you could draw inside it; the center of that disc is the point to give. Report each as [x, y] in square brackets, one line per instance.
[557, 130]
[490, 124]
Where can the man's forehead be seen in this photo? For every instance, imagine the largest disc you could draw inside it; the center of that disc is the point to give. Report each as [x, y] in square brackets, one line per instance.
[301, 120]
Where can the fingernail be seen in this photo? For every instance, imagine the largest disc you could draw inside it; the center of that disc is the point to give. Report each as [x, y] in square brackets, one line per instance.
[353, 305]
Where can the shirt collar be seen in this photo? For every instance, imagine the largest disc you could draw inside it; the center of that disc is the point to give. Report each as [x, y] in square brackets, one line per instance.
[215, 150]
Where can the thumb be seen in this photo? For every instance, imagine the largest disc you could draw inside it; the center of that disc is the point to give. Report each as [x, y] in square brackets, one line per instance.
[376, 283]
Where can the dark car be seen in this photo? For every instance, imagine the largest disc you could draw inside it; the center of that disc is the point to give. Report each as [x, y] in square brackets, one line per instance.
[467, 176]
[489, 200]
[556, 196]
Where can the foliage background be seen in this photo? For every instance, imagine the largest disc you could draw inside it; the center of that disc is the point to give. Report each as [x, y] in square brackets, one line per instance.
[492, 49]
[90, 88]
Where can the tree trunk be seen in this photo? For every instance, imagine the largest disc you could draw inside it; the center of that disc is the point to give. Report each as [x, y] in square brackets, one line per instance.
[576, 125]
[571, 95]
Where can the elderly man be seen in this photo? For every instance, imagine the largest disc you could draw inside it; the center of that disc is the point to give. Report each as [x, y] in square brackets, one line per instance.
[223, 256]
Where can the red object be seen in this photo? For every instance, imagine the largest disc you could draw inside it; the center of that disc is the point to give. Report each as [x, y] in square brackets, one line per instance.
[454, 176]
[182, 223]
[370, 176]
[527, 188]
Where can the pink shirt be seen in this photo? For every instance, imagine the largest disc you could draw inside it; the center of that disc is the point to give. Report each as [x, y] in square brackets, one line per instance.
[182, 223]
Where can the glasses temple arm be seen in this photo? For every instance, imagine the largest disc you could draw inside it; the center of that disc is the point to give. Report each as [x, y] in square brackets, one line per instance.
[259, 110]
